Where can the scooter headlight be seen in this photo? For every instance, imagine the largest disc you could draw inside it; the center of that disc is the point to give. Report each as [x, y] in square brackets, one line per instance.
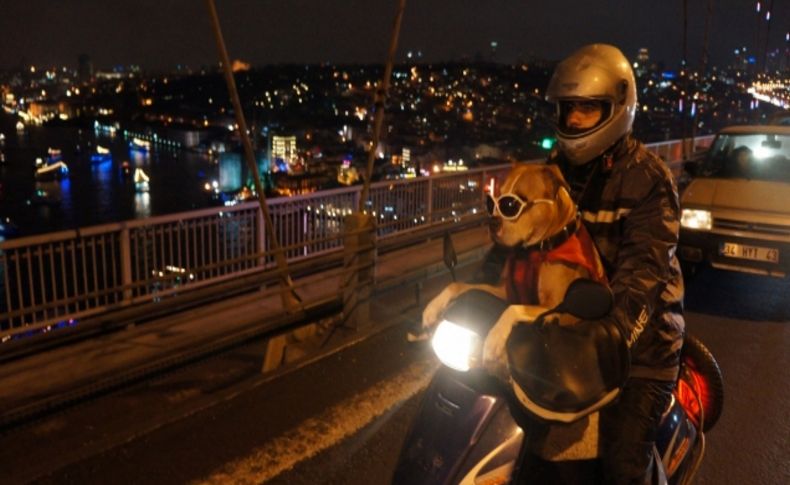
[456, 346]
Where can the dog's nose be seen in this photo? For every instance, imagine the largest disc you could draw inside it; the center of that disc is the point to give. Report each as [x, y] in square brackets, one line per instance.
[494, 224]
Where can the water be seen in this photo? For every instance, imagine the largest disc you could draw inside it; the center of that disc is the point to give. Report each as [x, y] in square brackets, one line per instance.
[94, 193]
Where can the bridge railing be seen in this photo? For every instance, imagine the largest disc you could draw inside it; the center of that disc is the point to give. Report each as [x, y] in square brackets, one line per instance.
[53, 280]
[672, 151]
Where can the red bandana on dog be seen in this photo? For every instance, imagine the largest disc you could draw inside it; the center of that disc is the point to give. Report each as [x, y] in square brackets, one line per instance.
[523, 267]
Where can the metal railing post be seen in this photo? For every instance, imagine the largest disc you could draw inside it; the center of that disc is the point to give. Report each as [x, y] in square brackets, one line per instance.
[483, 181]
[430, 200]
[358, 197]
[261, 235]
[126, 265]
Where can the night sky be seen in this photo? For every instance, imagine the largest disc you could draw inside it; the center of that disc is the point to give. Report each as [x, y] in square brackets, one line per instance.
[164, 33]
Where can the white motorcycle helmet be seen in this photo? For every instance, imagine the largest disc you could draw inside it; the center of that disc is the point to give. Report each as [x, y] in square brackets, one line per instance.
[597, 72]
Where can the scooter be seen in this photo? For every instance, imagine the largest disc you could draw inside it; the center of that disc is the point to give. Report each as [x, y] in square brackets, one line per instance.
[471, 427]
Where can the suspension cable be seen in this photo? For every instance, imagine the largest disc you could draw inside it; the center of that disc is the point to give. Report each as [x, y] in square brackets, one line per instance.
[380, 99]
[289, 296]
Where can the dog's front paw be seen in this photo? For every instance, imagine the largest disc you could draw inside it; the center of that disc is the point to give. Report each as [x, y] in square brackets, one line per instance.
[434, 310]
[494, 351]
[494, 356]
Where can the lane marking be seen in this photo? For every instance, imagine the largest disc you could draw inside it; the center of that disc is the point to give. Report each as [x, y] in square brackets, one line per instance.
[325, 430]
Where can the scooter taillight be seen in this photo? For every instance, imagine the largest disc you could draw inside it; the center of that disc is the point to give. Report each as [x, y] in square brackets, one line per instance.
[691, 391]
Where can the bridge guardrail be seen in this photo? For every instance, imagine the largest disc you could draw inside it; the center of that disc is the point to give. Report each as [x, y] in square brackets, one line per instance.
[54, 280]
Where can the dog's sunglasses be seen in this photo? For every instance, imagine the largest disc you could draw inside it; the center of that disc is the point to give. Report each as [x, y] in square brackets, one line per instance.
[510, 206]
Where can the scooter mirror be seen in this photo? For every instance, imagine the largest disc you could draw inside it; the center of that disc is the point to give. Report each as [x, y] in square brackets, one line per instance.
[587, 299]
[448, 252]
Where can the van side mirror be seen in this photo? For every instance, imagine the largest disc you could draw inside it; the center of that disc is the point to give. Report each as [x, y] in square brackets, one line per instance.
[691, 167]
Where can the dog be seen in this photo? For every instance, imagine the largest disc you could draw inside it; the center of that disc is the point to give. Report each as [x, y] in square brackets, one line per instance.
[535, 218]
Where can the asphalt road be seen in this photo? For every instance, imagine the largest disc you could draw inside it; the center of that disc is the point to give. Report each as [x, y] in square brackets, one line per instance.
[342, 420]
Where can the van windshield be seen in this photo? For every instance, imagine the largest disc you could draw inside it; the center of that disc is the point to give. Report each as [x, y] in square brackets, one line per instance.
[755, 156]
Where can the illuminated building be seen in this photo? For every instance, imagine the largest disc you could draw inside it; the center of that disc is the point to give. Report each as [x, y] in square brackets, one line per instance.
[643, 56]
[230, 171]
[642, 62]
[282, 151]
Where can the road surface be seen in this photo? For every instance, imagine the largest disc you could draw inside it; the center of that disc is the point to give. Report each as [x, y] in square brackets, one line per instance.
[342, 420]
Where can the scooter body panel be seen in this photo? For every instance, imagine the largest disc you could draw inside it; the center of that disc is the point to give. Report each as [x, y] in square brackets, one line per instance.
[465, 434]
[456, 429]
[676, 441]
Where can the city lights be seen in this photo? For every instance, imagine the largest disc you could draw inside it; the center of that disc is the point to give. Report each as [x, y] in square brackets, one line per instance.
[310, 124]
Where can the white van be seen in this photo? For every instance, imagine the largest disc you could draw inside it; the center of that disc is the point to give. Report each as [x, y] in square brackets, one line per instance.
[736, 209]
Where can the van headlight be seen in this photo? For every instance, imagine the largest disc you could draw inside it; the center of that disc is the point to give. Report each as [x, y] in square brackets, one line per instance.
[696, 219]
[457, 347]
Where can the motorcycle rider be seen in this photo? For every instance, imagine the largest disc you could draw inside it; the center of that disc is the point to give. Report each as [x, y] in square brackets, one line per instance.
[629, 203]
[624, 365]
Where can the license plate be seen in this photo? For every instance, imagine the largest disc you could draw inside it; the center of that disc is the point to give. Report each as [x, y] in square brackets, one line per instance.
[754, 253]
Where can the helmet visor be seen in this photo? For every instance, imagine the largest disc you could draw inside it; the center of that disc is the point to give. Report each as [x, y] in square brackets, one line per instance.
[578, 117]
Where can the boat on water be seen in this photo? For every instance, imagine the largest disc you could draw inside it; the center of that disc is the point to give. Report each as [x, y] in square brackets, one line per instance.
[54, 155]
[141, 180]
[229, 198]
[52, 171]
[140, 144]
[8, 229]
[243, 195]
[102, 154]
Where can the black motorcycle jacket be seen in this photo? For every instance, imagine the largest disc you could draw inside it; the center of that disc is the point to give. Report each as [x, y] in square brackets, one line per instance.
[629, 203]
